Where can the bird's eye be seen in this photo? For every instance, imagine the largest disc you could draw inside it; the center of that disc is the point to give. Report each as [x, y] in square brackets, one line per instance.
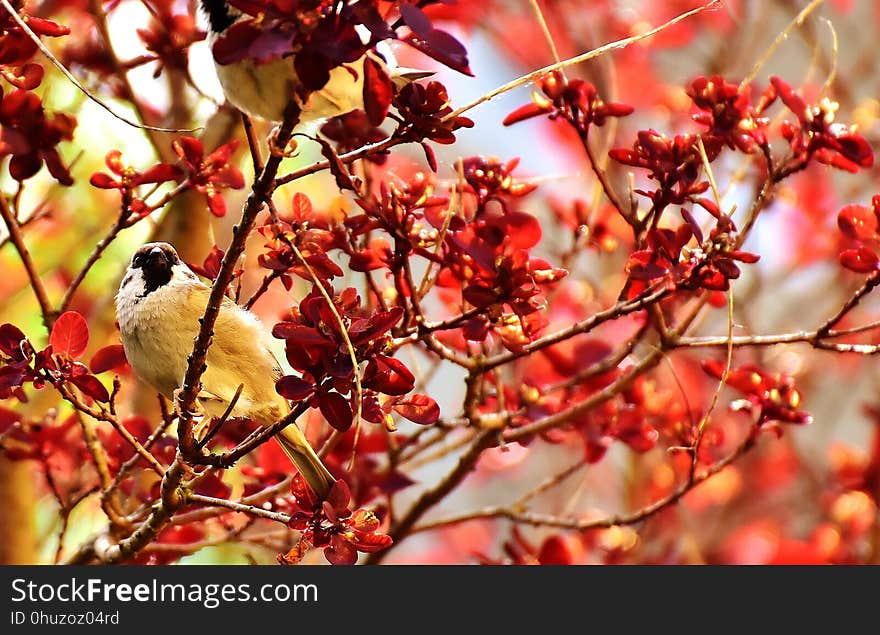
[138, 260]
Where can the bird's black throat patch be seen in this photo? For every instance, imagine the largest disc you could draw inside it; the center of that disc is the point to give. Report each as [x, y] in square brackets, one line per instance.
[155, 277]
[219, 15]
[155, 262]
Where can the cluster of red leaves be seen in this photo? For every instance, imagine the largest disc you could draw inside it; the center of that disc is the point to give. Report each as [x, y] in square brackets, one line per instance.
[710, 266]
[488, 258]
[55, 364]
[211, 174]
[168, 37]
[731, 120]
[318, 348]
[401, 214]
[675, 164]
[30, 136]
[726, 111]
[126, 179]
[574, 100]
[859, 225]
[299, 228]
[332, 526]
[17, 48]
[424, 113]
[816, 136]
[768, 396]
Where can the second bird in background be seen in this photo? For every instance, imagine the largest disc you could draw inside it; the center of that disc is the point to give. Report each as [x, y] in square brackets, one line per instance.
[263, 90]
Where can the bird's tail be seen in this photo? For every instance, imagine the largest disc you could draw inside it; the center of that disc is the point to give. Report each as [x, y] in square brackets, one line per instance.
[298, 450]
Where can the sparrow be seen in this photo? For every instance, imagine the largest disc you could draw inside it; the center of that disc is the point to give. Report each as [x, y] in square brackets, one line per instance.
[158, 306]
[263, 90]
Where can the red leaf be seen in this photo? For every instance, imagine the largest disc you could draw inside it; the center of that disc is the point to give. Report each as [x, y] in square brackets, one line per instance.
[47, 27]
[388, 375]
[526, 111]
[377, 91]
[366, 260]
[416, 19]
[300, 209]
[294, 388]
[212, 262]
[10, 340]
[70, 335]
[442, 47]
[26, 77]
[370, 543]
[430, 157]
[160, 173]
[861, 260]
[298, 333]
[525, 230]
[112, 356]
[419, 409]
[340, 551]
[339, 496]
[377, 325]
[190, 149]
[217, 205]
[857, 222]
[104, 181]
[336, 410]
[91, 386]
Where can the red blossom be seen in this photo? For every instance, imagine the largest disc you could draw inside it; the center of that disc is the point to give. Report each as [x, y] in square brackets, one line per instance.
[489, 258]
[210, 174]
[424, 110]
[490, 179]
[312, 235]
[573, 100]
[817, 136]
[56, 364]
[354, 130]
[332, 526]
[859, 225]
[769, 396]
[31, 137]
[674, 163]
[318, 349]
[125, 177]
[17, 48]
[168, 38]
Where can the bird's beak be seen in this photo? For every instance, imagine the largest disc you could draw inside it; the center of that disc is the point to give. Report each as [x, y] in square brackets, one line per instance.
[157, 255]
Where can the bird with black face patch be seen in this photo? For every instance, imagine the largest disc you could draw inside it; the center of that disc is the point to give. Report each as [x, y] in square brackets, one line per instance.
[158, 306]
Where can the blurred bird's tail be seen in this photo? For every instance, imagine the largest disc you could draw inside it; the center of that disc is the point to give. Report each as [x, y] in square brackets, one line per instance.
[298, 450]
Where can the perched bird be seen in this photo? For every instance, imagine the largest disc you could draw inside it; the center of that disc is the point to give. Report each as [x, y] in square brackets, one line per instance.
[263, 90]
[158, 306]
